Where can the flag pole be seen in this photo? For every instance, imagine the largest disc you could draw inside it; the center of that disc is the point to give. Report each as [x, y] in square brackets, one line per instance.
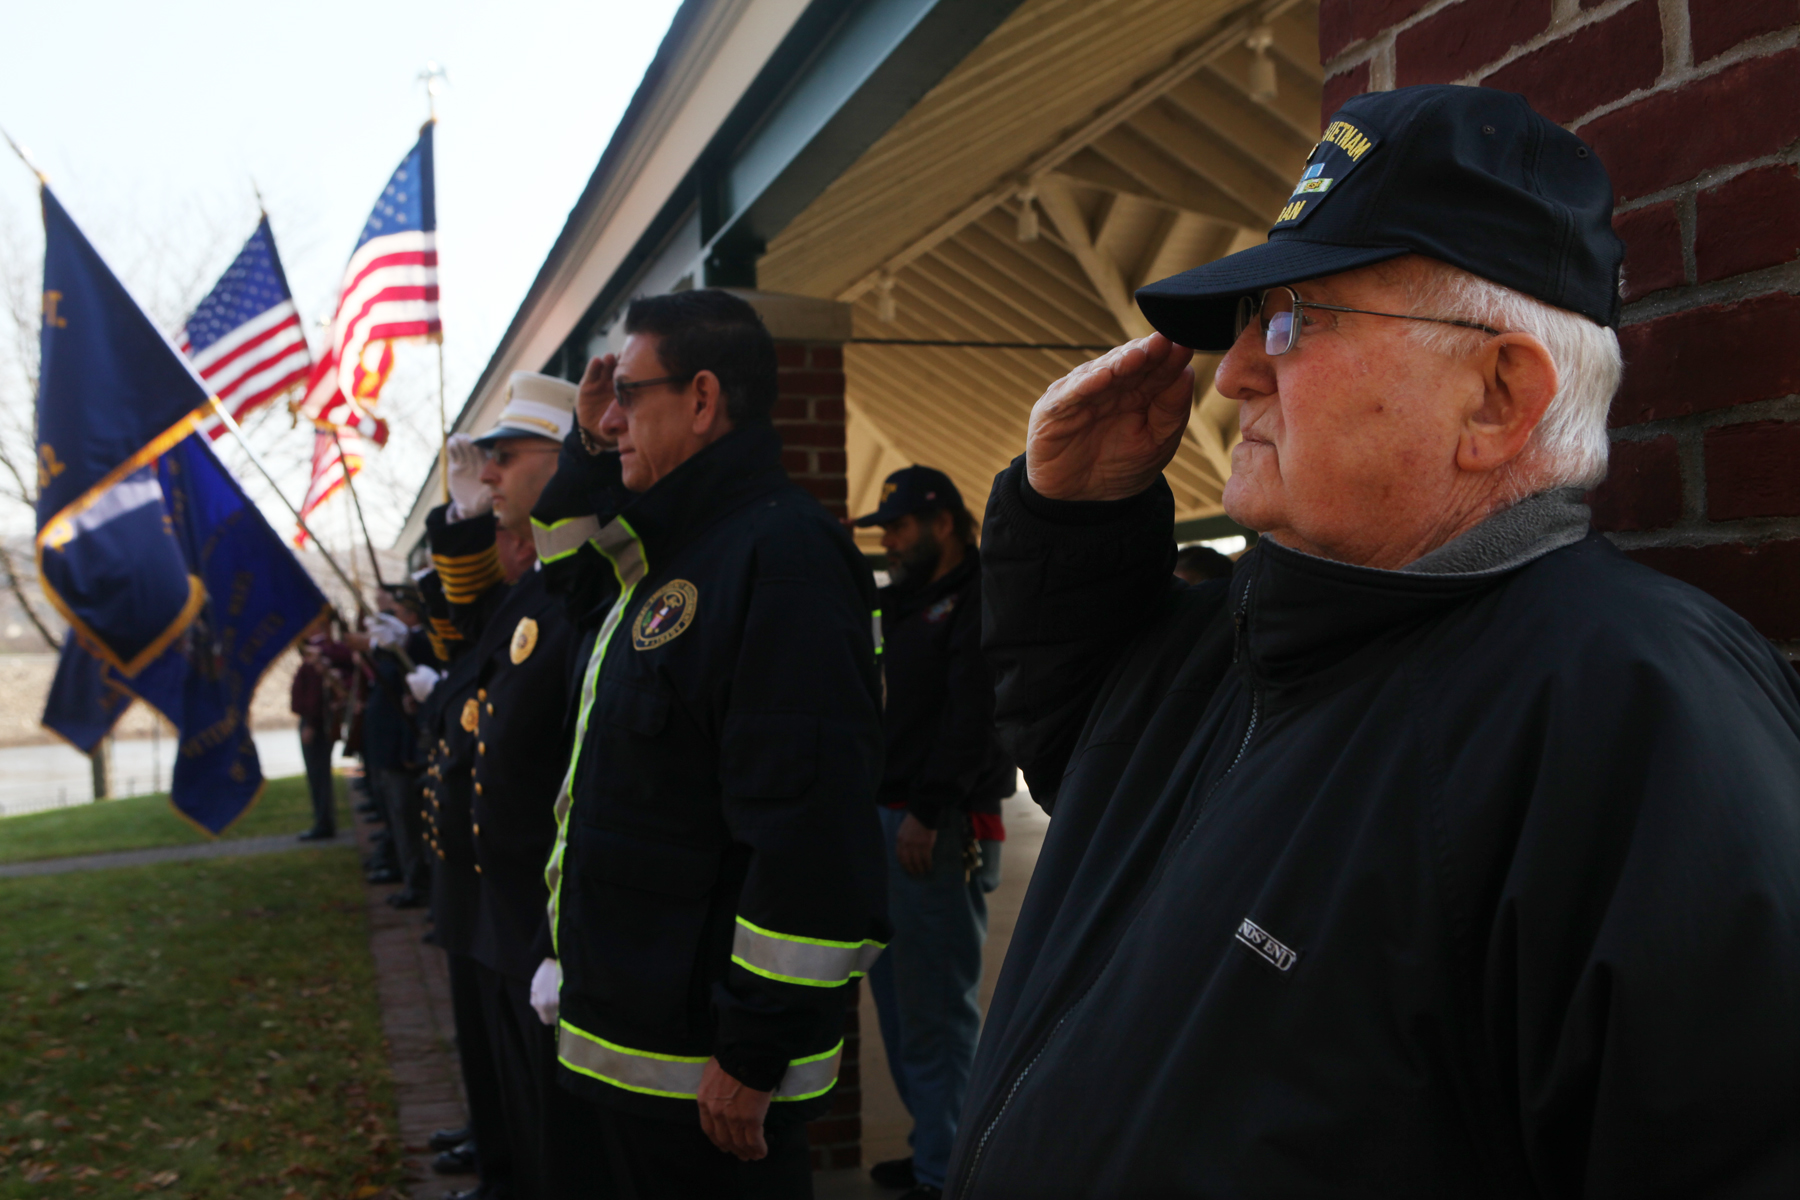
[237, 431]
[344, 465]
[43, 179]
[433, 77]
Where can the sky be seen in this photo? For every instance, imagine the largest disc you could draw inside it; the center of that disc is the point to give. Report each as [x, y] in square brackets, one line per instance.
[158, 123]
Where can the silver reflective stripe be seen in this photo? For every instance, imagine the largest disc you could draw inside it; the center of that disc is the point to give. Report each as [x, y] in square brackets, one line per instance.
[619, 543]
[813, 962]
[677, 1076]
[880, 643]
[564, 538]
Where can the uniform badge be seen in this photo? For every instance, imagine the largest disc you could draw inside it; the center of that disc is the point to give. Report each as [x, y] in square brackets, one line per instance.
[471, 715]
[524, 640]
[941, 609]
[665, 616]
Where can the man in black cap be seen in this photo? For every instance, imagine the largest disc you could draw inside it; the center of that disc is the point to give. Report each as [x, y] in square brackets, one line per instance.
[940, 797]
[1441, 850]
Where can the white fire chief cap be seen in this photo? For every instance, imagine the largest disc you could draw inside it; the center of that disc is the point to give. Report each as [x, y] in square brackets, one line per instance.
[536, 406]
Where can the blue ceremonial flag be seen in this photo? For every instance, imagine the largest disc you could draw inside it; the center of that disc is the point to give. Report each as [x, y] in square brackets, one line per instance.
[258, 600]
[113, 394]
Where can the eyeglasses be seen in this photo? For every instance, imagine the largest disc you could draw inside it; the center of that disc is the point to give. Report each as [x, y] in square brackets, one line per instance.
[626, 390]
[1281, 313]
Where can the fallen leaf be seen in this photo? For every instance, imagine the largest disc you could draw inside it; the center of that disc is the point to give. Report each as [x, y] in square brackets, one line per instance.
[164, 1179]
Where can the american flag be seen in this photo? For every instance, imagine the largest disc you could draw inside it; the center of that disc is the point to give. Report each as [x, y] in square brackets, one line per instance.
[337, 455]
[245, 338]
[390, 291]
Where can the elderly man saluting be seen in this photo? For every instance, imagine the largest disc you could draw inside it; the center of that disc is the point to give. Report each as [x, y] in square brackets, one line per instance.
[1441, 850]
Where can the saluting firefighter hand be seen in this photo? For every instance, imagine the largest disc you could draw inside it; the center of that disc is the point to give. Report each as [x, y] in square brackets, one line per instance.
[596, 395]
[731, 1114]
[1106, 429]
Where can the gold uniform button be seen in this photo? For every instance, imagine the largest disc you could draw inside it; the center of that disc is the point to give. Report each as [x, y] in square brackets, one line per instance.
[481, 747]
[478, 868]
[478, 789]
[490, 710]
[481, 694]
[477, 831]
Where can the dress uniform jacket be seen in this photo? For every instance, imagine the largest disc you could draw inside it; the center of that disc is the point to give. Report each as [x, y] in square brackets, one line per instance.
[449, 794]
[523, 645]
[719, 878]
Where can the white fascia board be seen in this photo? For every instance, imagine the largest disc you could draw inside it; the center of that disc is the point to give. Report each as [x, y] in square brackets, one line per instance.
[726, 49]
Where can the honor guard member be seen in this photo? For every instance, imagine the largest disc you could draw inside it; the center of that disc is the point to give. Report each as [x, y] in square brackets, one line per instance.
[718, 878]
[449, 732]
[524, 644]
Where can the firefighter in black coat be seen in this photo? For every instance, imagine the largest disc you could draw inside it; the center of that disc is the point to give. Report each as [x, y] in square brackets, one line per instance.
[718, 881]
[523, 646]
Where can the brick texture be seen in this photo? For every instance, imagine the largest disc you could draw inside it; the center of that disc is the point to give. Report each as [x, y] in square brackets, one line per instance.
[1594, 64]
[1642, 488]
[1463, 38]
[1744, 112]
[1748, 222]
[1341, 87]
[1343, 22]
[836, 1137]
[1753, 470]
[1718, 25]
[1760, 582]
[1709, 358]
[1652, 237]
[809, 416]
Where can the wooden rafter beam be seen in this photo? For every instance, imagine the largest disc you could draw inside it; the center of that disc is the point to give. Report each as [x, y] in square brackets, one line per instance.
[1058, 203]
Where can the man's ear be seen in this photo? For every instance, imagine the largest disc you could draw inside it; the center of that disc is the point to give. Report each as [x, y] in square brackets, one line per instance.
[1518, 380]
[942, 524]
[710, 416]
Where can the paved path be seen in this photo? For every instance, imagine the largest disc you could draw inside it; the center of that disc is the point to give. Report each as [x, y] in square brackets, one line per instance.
[230, 848]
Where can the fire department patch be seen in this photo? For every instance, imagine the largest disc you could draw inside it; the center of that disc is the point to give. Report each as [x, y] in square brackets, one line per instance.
[666, 615]
[471, 715]
[524, 640]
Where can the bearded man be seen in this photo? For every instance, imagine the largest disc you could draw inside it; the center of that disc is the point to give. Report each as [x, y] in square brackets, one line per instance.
[1441, 850]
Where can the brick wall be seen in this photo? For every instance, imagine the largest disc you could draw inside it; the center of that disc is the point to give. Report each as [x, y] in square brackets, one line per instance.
[809, 415]
[836, 1137]
[1694, 107]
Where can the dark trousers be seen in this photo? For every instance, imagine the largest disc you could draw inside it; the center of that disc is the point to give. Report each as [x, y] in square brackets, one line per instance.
[524, 1052]
[317, 756]
[487, 1115]
[604, 1154]
[399, 799]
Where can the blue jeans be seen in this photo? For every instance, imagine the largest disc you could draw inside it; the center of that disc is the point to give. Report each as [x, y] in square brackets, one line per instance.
[927, 986]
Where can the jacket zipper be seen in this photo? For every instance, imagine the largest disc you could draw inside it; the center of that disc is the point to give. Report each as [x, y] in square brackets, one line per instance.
[1241, 630]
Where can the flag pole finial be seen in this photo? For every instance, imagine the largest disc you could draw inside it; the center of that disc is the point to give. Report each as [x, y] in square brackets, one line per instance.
[434, 77]
[25, 158]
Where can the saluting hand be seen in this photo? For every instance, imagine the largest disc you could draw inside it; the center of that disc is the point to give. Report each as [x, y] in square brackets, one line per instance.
[731, 1114]
[596, 394]
[1106, 429]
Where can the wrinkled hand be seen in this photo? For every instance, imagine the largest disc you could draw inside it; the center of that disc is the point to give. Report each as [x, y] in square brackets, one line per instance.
[385, 630]
[546, 991]
[420, 681]
[1106, 429]
[914, 844]
[469, 497]
[732, 1114]
[596, 395]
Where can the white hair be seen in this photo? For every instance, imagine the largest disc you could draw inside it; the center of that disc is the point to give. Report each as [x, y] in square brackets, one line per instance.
[1569, 446]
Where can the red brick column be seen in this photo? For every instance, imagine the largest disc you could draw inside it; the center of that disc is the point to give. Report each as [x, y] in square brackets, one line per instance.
[1694, 107]
[809, 415]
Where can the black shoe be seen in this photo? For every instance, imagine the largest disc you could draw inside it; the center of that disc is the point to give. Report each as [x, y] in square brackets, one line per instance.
[460, 1161]
[367, 806]
[450, 1139]
[894, 1173]
[384, 875]
[923, 1191]
[374, 817]
[476, 1193]
[406, 898]
[317, 835]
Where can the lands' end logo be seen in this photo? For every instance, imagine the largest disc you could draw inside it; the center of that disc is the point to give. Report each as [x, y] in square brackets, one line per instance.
[1253, 936]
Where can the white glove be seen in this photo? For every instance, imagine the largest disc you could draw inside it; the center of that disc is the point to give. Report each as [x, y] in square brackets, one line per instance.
[420, 680]
[546, 990]
[469, 497]
[385, 630]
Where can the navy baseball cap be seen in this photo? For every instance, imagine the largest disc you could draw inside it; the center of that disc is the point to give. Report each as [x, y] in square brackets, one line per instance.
[910, 490]
[1470, 176]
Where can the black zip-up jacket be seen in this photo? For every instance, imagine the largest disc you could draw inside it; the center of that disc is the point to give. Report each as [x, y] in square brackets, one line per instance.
[942, 752]
[1374, 884]
[719, 878]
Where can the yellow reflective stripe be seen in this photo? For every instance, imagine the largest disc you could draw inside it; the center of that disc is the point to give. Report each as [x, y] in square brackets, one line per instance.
[677, 1076]
[619, 543]
[558, 541]
[811, 962]
[880, 642]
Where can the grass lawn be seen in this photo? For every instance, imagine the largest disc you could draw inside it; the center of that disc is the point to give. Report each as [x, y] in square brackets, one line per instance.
[145, 821]
[200, 1029]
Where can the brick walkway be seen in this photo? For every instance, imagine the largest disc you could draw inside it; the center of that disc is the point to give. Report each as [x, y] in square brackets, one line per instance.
[413, 984]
